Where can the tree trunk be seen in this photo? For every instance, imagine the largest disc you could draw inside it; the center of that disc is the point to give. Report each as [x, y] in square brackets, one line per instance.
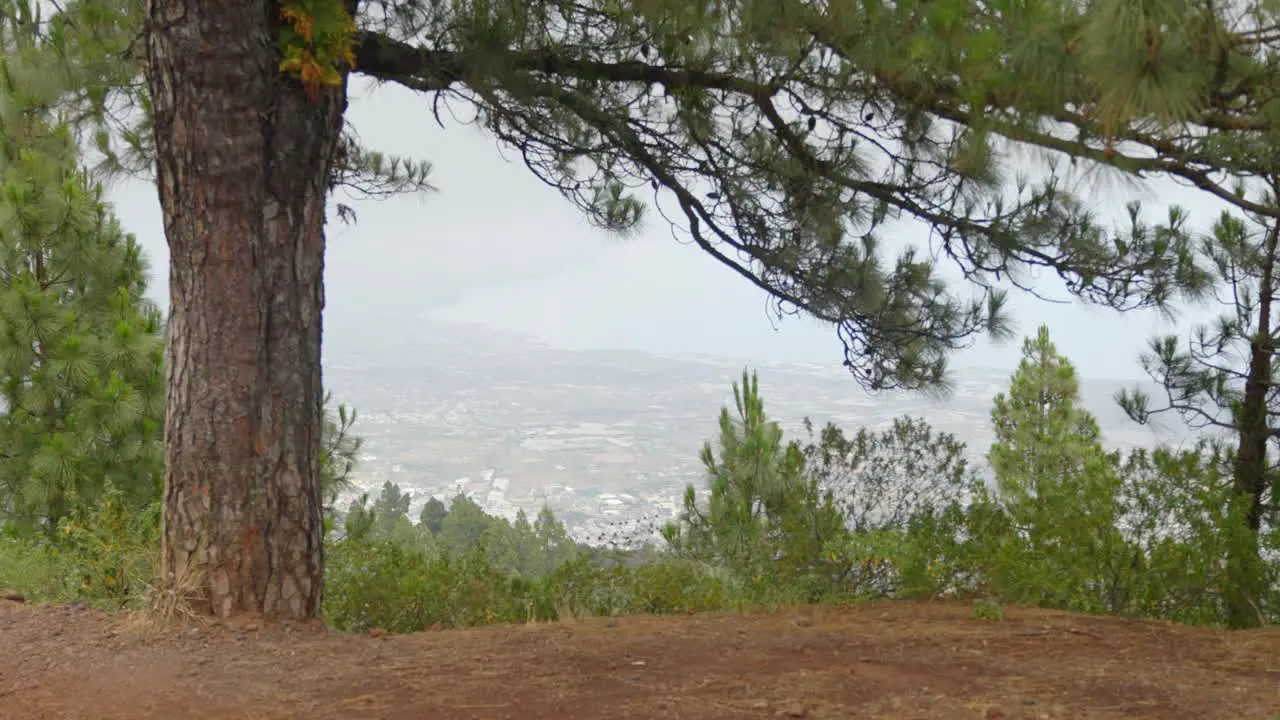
[243, 160]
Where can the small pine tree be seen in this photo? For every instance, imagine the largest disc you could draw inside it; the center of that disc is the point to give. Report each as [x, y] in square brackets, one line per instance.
[765, 519]
[81, 354]
[555, 547]
[1056, 484]
[389, 509]
[529, 560]
[339, 451]
[431, 518]
[465, 525]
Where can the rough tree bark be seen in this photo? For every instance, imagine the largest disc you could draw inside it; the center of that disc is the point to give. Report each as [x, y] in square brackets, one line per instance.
[243, 160]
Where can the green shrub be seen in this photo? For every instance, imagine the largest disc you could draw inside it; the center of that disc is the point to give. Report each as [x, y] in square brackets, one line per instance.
[114, 550]
[580, 588]
[383, 584]
[37, 569]
[105, 556]
[380, 583]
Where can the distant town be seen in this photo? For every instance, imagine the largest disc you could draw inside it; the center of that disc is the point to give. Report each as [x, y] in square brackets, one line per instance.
[608, 440]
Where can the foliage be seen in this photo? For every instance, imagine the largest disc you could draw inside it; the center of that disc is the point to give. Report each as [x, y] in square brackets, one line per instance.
[81, 349]
[1223, 382]
[113, 548]
[1056, 490]
[339, 451]
[900, 493]
[519, 548]
[105, 549]
[433, 514]
[478, 569]
[1172, 89]
[38, 570]
[81, 355]
[105, 556]
[789, 137]
[385, 585]
[880, 480]
[1063, 524]
[316, 42]
[466, 525]
[391, 507]
[668, 585]
[552, 545]
[764, 518]
[1175, 507]
[387, 519]
[1070, 526]
[987, 609]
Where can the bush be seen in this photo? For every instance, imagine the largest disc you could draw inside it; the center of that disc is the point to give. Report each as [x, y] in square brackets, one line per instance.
[383, 584]
[36, 569]
[106, 556]
[114, 551]
[581, 588]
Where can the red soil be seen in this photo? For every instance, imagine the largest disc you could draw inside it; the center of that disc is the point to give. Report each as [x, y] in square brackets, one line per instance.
[882, 661]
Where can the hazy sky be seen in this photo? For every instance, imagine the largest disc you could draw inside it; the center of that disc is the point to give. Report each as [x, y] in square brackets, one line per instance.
[493, 246]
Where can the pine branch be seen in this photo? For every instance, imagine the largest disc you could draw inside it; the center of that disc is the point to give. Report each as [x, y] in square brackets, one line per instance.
[764, 204]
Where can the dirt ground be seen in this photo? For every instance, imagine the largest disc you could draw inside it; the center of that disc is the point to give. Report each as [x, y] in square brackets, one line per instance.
[884, 661]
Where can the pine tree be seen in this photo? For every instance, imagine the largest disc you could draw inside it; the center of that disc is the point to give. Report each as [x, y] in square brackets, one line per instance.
[465, 526]
[389, 509]
[358, 524]
[387, 519]
[81, 373]
[339, 451]
[432, 515]
[1174, 89]
[1056, 483]
[1225, 382]
[765, 517]
[789, 136]
[555, 547]
[530, 560]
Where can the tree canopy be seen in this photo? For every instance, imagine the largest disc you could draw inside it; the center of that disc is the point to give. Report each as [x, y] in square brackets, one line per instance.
[783, 138]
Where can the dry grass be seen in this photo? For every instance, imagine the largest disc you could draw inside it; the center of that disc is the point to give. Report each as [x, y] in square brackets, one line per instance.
[170, 603]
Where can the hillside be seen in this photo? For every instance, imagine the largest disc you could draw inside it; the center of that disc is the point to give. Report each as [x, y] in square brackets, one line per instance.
[604, 437]
[885, 661]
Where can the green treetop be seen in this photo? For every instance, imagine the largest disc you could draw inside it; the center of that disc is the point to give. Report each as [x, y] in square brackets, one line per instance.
[1054, 479]
[766, 518]
[81, 355]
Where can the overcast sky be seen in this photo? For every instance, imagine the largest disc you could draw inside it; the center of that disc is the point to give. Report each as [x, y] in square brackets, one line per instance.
[495, 247]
